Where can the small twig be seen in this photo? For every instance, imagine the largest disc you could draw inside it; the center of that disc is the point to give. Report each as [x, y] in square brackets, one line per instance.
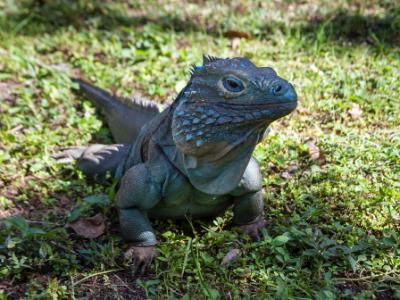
[72, 288]
[187, 252]
[44, 223]
[97, 274]
[16, 128]
[65, 248]
[366, 278]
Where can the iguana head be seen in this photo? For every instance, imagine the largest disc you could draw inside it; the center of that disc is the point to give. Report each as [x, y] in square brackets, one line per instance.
[225, 99]
[226, 107]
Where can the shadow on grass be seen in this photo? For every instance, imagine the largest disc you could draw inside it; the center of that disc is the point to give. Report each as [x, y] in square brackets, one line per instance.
[40, 17]
[355, 28]
[340, 26]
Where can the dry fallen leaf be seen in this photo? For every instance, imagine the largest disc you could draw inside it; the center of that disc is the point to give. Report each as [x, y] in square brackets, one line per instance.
[230, 256]
[355, 112]
[292, 168]
[289, 171]
[237, 34]
[90, 228]
[314, 152]
[64, 201]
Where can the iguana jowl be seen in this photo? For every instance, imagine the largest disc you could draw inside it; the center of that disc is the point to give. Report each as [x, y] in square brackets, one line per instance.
[195, 157]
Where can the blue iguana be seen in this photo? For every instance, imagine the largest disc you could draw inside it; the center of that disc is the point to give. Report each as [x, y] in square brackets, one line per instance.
[195, 157]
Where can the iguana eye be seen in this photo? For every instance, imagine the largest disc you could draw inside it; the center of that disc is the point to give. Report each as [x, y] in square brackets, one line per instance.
[279, 88]
[233, 84]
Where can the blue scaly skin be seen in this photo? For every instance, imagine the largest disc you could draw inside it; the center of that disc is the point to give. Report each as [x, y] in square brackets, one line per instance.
[194, 159]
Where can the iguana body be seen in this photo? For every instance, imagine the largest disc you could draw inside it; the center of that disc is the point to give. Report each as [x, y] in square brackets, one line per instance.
[194, 158]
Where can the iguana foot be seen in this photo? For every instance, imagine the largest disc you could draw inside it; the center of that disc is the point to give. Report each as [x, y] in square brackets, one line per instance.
[140, 258]
[94, 160]
[93, 153]
[254, 229]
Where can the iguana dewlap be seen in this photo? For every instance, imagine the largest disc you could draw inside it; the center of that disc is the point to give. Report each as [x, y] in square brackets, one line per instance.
[195, 157]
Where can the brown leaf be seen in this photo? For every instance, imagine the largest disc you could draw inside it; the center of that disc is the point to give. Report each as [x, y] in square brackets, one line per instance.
[355, 112]
[90, 228]
[292, 168]
[65, 201]
[289, 171]
[230, 256]
[314, 152]
[237, 34]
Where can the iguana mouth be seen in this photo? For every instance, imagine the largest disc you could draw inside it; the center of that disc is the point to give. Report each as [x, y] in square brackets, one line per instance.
[258, 106]
[210, 131]
[231, 104]
[202, 114]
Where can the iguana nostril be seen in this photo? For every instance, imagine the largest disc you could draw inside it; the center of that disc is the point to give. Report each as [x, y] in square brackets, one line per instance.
[290, 94]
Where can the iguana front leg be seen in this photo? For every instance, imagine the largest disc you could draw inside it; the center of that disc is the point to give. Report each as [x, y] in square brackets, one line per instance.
[137, 194]
[248, 203]
[248, 214]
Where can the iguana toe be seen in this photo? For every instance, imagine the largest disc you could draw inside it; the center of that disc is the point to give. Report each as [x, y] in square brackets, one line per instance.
[69, 155]
[140, 258]
[254, 229]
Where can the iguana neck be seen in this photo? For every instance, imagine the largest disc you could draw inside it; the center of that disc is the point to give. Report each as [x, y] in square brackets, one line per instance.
[214, 172]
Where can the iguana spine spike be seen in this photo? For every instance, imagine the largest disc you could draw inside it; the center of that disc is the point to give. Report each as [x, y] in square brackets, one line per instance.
[208, 59]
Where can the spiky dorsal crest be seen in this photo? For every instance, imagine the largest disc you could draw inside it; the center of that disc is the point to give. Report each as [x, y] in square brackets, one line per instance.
[209, 59]
[195, 69]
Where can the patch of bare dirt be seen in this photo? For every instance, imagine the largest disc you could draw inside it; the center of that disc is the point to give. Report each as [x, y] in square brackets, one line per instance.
[117, 285]
[358, 287]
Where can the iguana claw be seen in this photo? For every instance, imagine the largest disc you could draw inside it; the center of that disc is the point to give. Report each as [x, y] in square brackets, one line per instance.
[140, 258]
[68, 155]
[254, 229]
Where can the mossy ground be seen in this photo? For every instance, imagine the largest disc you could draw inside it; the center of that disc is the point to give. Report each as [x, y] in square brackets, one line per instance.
[334, 215]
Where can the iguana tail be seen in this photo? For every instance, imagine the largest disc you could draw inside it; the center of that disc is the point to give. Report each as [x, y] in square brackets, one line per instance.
[125, 117]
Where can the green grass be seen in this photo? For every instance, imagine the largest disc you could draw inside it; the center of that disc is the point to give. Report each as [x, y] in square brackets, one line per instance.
[334, 223]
